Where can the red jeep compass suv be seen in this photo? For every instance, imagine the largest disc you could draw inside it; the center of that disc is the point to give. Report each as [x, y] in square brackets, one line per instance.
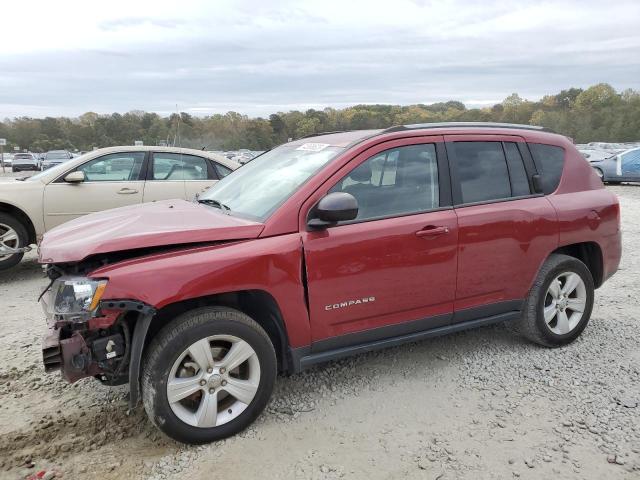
[321, 248]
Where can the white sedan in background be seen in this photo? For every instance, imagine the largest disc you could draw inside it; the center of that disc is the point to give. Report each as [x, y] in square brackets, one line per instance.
[100, 180]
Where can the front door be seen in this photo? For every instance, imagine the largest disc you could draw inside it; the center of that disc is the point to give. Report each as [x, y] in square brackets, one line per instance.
[112, 180]
[392, 271]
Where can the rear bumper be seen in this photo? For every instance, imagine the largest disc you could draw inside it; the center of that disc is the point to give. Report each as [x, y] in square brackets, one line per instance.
[25, 167]
[612, 254]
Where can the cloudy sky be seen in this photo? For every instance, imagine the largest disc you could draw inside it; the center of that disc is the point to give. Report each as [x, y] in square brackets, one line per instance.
[66, 57]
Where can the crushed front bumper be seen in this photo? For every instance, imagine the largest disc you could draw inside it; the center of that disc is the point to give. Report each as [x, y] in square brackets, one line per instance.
[51, 351]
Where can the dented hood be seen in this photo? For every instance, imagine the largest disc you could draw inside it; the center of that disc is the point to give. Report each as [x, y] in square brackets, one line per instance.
[165, 223]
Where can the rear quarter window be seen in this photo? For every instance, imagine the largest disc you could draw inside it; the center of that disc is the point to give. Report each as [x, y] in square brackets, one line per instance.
[549, 161]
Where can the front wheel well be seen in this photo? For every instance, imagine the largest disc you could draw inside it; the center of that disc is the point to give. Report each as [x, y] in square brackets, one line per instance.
[22, 217]
[257, 304]
[588, 253]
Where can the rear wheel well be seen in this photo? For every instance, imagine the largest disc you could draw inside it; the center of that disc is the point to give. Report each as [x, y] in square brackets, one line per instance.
[588, 253]
[22, 217]
[257, 304]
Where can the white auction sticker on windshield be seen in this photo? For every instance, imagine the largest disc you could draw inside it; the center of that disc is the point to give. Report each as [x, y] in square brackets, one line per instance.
[313, 147]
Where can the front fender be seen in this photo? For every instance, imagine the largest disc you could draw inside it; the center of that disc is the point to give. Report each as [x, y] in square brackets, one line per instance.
[272, 264]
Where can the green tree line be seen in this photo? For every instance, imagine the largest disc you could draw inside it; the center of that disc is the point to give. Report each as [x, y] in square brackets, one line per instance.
[598, 113]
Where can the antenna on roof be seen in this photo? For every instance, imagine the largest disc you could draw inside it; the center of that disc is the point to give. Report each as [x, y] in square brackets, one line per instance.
[176, 136]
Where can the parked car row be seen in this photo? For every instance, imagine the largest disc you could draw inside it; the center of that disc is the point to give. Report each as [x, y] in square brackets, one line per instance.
[320, 248]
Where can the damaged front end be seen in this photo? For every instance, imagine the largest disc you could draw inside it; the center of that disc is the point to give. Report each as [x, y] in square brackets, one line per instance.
[86, 335]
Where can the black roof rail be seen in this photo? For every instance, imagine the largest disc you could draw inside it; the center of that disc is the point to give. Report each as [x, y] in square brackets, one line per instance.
[320, 134]
[418, 126]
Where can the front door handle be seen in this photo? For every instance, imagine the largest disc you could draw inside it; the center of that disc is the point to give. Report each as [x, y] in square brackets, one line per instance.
[432, 231]
[127, 191]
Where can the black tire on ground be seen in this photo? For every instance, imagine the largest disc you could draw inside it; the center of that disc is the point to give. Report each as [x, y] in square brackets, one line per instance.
[613, 183]
[23, 239]
[531, 324]
[175, 338]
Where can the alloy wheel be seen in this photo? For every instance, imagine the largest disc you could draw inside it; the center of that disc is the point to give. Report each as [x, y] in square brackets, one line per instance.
[8, 239]
[565, 302]
[213, 381]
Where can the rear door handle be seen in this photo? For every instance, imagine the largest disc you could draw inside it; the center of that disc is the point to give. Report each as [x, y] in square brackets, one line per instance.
[127, 191]
[432, 231]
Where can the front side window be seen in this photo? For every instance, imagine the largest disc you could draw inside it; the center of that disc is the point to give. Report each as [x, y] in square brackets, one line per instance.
[114, 167]
[399, 181]
[482, 171]
[177, 166]
[258, 188]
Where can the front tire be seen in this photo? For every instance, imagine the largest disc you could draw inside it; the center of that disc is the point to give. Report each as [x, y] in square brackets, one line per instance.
[559, 303]
[12, 235]
[208, 375]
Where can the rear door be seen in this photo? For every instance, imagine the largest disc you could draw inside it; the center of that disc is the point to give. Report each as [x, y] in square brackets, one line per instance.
[505, 230]
[392, 271]
[112, 180]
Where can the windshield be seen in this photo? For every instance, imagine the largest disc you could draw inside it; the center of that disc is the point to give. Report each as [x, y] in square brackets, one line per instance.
[57, 156]
[56, 170]
[23, 155]
[261, 186]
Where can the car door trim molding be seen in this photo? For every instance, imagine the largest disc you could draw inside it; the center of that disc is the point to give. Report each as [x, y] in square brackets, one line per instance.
[342, 346]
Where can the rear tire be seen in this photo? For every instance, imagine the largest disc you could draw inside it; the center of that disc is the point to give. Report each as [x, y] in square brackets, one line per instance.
[556, 314]
[191, 368]
[13, 234]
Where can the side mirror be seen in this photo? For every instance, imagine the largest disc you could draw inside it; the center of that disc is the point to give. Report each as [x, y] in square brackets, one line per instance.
[74, 177]
[335, 207]
[537, 183]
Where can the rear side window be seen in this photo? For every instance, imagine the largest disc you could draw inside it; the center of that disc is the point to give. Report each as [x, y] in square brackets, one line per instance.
[222, 170]
[177, 166]
[519, 180]
[481, 170]
[549, 162]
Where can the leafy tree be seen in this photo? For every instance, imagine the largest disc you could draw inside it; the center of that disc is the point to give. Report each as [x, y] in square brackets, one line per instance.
[598, 113]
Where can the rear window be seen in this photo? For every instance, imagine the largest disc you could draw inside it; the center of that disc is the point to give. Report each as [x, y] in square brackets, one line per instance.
[549, 162]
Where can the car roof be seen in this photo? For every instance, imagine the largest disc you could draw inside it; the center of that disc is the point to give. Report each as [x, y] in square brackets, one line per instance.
[74, 162]
[150, 148]
[345, 139]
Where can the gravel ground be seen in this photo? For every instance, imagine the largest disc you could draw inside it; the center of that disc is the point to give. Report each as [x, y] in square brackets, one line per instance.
[478, 404]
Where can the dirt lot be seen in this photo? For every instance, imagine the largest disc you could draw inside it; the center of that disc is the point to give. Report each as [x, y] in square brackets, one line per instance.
[479, 404]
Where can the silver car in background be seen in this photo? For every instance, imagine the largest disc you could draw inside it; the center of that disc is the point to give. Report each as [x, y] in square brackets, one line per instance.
[25, 161]
[55, 157]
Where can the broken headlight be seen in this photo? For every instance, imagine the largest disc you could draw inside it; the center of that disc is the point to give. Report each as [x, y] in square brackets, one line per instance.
[74, 297]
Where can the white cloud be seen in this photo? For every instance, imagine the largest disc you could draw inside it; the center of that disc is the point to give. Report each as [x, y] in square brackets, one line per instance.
[258, 57]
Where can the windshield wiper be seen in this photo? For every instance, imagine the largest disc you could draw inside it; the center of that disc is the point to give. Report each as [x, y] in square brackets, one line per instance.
[214, 203]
